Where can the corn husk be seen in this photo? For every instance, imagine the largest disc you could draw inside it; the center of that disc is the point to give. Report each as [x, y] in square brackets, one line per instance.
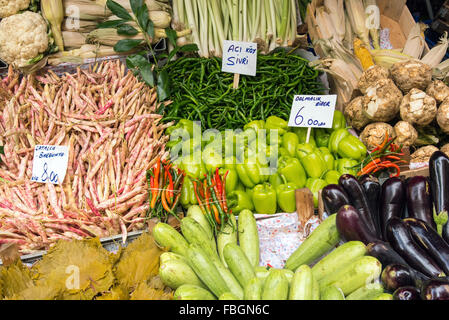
[373, 26]
[161, 19]
[348, 40]
[82, 26]
[357, 17]
[325, 24]
[414, 46]
[53, 11]
[387, 58]
[85, 10]
[436, 55]
[441, 71]
[74, 39]
[109, 36]
[78, 56]
[336, 11]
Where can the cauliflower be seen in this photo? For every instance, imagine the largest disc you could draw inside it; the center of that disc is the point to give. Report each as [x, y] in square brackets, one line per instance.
[418, 108]
[354, 114]
[382, 100]
[443, 116]
[445, 149]
[371, 76]
[22, 38]
[375, 133]
[438, 90]
[423, 154]
[406, 134]
[411, 74]
[11, 7]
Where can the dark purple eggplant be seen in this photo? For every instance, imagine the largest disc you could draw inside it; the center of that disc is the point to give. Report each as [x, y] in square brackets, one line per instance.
[407, 293]
[392, 201]
[383, 252]
[395, 276]
[439, 185]
[402, 242]
[419, 200]
[431, 241]
[358, 200]
[334, 197]
[372, 189]
[352, 226]
[435, 290]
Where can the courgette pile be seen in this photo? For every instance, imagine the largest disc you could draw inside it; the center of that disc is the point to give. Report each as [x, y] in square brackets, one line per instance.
[199, 266]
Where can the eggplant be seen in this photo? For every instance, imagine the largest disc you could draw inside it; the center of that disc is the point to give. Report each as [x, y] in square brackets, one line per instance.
[383, 252]
[419, 200]
[396, 276]
[358, 200]
[435, 290]
[402, 242]
[334, 197]
[431, 241]
[407, 293]
[372, 189]
[439, 185]
[392, 201]
[352, 227]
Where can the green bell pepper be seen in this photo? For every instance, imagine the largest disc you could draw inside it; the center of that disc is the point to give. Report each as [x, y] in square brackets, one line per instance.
[286, 196]
[336, 137]
[292, 170]
[250, 172]
[256, 125]
[302, 136]
[249, 192]
[275, 180]
[264, 199]
[328, 158]
[238, 201]
[312, 160]
[352, 148]
[184, 125]
[347, 166]
[315, 185]
[289, 142]
[193, 166]
[276, 123]
[322, 138]
[212, 158]
[188, 197]
[240, 186]
[332, 177]
[282, 152]
[339, 121]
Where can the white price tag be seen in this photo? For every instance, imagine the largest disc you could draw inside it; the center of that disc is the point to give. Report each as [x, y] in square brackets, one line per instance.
[239, 57]
[313, 111]
[50, 164]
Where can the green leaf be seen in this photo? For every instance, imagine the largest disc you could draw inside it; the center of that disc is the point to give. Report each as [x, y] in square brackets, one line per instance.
[171, 35]
[150, 29]
[110, 24]
[118, 10]
[191, 47]
[127, 30]
[172, 54]
[127, 45]
[163, 85]
[2, 151]
[136, 61]
[147, 74]
[136, 5]
[143, 17]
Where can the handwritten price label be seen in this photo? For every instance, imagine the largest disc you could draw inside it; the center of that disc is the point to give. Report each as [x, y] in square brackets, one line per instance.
[50, 164]
[313, 111]
[239, 57]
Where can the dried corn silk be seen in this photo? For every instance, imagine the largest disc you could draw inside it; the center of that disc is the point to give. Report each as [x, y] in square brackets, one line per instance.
[108, 120]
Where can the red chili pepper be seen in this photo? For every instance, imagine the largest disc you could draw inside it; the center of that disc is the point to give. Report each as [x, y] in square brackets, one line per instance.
[170, 185]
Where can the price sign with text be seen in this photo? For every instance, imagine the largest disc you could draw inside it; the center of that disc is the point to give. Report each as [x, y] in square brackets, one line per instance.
[50, 164]
[313, 111]
[239, 57]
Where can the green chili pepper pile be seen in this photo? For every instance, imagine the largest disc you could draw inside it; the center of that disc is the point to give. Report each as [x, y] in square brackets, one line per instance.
[202, 92]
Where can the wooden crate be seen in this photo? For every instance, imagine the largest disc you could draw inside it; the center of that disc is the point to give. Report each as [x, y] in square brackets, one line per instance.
[395, 15]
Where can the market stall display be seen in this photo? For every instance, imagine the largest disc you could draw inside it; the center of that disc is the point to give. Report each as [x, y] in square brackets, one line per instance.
[209, 166]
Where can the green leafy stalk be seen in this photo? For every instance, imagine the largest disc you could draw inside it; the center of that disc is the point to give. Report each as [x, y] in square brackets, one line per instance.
[440, 220]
